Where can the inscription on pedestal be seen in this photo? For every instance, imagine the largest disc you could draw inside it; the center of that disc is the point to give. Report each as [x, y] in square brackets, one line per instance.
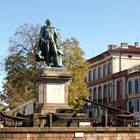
[55, 93]
[53, 89]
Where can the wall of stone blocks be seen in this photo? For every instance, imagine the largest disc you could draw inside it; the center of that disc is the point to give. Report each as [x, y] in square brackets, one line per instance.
[84, 133]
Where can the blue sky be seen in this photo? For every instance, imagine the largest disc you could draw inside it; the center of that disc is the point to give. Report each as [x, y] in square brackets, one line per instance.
[95, 23]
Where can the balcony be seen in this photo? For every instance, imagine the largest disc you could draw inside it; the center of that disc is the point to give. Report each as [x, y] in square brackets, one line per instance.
[132, 96]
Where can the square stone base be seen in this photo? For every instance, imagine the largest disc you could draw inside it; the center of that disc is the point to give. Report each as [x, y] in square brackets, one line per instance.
[53, 90]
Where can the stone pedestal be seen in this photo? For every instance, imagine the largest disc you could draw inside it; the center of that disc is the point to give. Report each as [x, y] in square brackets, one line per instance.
[53, 90]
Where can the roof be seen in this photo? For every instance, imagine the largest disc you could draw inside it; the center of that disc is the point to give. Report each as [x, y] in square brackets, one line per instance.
[130, 49]
[99, 57]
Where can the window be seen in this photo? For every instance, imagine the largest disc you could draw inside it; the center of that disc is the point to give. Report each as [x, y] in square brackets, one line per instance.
[94, 74]
[89, 76]
[100, 94]
[99, 72]
[130, 106]
[94, 94]
[110, 97]
[130, 87]
[137, 105]
[104, 70]
[109, 68]
[105, 94]
[85, 80]
[90, 96]
[136, 86]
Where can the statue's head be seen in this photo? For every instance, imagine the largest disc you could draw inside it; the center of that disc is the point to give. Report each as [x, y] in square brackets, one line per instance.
[48, 22]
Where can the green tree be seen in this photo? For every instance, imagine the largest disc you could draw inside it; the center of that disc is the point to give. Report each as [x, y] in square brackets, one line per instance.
[76, 64]
[20, 67]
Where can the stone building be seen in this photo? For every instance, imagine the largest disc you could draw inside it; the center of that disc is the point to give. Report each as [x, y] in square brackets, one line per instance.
[114, 77]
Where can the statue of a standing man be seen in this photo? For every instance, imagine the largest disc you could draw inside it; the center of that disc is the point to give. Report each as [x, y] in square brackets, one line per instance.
[49, 45]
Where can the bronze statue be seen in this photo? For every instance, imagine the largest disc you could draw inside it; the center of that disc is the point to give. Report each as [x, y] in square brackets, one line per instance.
[48, 45]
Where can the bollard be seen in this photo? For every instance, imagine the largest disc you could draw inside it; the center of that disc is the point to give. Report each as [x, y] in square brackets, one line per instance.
[49, 120]
[106, 118]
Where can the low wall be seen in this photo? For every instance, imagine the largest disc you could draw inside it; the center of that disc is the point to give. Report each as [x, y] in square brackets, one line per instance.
[79, 133]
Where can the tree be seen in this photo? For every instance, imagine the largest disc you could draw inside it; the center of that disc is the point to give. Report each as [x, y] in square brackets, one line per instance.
[1, 107]
[76, 64]
[20, 67]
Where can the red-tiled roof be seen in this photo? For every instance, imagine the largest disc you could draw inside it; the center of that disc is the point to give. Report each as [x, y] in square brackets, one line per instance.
[130, 50]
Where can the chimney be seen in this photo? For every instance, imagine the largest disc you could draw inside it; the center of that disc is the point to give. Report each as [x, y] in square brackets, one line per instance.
[124, 45]
[136, 44]
[111, 47]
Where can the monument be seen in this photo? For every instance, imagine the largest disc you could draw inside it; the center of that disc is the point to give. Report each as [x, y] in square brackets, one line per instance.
[53, 78]
[49, 48]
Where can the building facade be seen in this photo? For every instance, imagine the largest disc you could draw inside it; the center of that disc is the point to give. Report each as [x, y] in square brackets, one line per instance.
[114, 77]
